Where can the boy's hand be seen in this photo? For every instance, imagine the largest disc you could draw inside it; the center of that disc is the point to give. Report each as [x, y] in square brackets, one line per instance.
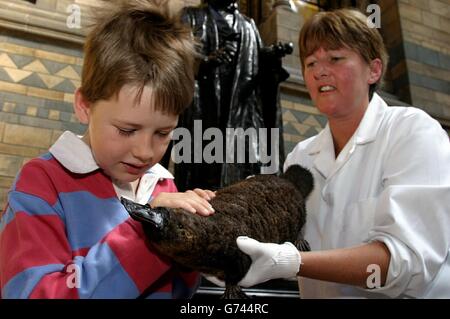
[195, 201]
[204, 193]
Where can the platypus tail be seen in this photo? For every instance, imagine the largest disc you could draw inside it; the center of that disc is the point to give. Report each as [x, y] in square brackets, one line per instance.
[301, 178]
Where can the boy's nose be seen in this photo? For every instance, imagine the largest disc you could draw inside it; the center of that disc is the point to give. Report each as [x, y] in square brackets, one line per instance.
[143, 150]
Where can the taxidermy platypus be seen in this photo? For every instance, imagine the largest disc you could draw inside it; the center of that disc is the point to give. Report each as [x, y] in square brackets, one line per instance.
[267, 208]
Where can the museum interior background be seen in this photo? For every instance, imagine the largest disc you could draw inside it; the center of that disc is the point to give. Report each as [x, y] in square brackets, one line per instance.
[41, 59]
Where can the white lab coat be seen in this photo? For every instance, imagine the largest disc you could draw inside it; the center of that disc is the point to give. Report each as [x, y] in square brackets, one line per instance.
[390, 183]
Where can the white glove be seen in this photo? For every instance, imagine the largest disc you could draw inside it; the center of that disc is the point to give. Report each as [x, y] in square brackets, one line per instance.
[269, 261]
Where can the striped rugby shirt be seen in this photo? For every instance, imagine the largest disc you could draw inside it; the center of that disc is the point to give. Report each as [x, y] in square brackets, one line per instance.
[65, 234]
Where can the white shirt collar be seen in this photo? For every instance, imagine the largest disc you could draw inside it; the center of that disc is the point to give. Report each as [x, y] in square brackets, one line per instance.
[76, 156]
[366, 131]
[371, 122]
[322, 147]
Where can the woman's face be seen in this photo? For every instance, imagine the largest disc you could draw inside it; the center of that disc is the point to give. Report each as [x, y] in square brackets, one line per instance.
[338, 81]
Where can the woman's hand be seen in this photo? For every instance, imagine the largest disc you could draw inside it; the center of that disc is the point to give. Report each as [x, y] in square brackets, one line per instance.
[269, 260]
[194, 201]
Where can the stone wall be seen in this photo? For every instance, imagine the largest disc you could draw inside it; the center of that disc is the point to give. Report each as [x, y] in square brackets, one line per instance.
[40, 68]
[418, 36]
[300, 119]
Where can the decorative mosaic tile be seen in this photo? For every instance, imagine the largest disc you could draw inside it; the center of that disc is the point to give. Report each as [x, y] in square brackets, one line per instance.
[36, 66]
[21, 60]
[35, 81]
[65, 86]
[52, 66]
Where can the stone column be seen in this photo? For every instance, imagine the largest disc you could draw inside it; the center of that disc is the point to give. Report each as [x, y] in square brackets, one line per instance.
[283, 24]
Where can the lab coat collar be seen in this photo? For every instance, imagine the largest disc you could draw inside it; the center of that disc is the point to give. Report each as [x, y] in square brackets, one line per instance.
[323, 149]
[322, 141]
[322, 146]
[371, 122]
[77, 157]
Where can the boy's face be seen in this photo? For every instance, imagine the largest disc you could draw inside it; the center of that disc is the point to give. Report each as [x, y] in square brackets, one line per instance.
[338, 81]
[128, 138]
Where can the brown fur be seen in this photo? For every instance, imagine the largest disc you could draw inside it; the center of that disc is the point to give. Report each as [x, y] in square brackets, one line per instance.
[265, 207]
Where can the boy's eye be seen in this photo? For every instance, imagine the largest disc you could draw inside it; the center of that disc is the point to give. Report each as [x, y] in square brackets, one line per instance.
[164, 133]
[125, 132]
[336, 58]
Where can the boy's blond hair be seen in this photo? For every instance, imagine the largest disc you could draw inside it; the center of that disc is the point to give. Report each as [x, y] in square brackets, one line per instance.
[343, 28]
[140, 43]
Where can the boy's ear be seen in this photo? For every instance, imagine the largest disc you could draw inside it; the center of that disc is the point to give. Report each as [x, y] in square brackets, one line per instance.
[81, 107]
[376, 69]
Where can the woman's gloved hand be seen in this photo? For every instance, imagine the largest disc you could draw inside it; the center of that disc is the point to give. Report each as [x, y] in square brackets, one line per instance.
[269, 261]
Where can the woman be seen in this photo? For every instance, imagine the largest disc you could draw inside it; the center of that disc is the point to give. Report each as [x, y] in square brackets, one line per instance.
[379, 215]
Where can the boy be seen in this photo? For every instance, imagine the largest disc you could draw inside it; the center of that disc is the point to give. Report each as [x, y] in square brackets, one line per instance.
[64, 233]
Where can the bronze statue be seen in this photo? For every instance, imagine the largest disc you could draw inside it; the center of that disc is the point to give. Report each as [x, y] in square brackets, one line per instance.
[233, 90]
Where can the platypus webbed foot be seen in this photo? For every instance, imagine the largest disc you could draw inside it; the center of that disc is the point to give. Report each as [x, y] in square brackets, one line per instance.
[234, 292]
[302, 244]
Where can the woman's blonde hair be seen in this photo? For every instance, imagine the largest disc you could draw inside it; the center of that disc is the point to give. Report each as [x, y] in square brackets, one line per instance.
[140, 43]
[343, 28]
